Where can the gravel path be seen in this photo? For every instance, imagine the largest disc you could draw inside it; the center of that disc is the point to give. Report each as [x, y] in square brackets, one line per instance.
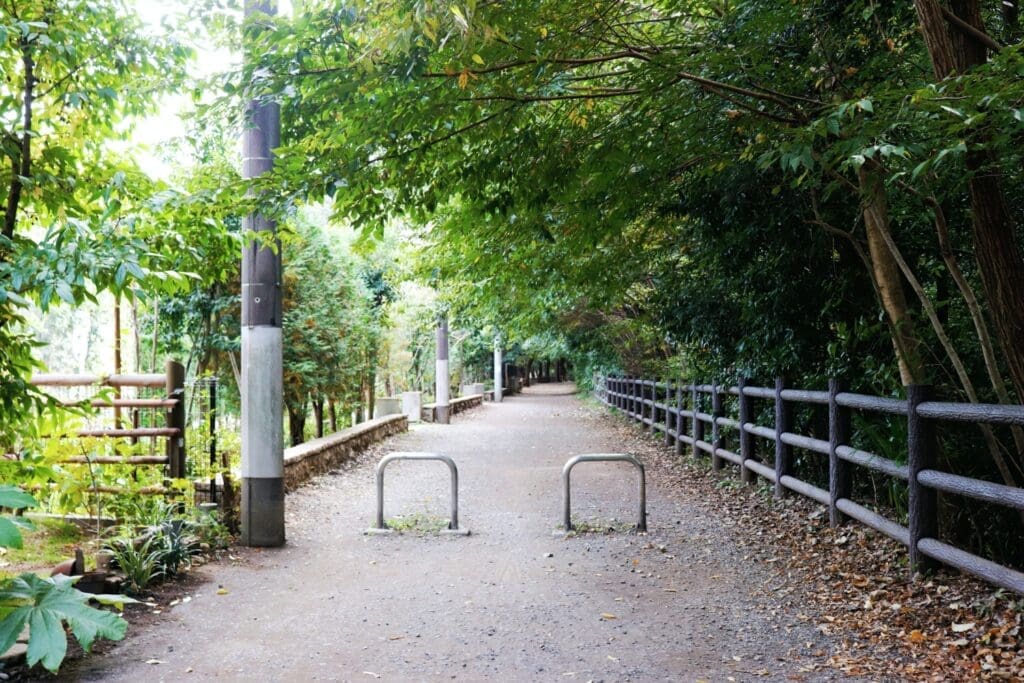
[510, 602]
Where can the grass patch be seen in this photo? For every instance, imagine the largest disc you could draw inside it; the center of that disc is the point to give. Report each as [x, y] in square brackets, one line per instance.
[597, 526]
[417, 522]
[52, 542]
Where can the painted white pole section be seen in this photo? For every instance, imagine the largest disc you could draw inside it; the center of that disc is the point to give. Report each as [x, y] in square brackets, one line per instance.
[498, 367]
[262, 379]
[441, 378]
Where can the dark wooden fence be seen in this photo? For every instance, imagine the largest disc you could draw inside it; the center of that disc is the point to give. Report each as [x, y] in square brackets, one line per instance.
[668, 406]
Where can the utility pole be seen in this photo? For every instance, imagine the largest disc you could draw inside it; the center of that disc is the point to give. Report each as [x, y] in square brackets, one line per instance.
[441, 379]
[262, 382]
[498, 367]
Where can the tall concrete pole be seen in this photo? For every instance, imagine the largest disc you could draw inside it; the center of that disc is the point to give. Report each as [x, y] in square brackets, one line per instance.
[498, 367]
[441, 379]
[262, 384]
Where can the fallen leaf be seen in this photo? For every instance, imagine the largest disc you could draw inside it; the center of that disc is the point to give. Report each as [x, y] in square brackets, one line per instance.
[963, 628]
[608, 616]
[155, 661]
[222, 591]
[915, 636]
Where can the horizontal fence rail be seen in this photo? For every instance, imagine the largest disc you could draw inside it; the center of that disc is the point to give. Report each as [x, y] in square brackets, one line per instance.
[171, 404]
[693, 415]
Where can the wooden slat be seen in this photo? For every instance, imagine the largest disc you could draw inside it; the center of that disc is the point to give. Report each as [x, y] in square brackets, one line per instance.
[141, 432]
[147, 380]
[123, 380]
[64, 380]
[990, 571]
[125, 403]
[805, 489]
[115, 460]
[874, 520]
[760, 468]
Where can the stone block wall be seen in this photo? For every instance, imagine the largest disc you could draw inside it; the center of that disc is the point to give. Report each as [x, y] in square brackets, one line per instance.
[455, 406]
[319, 456]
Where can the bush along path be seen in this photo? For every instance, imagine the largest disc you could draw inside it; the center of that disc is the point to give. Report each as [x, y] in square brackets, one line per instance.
[723, 587]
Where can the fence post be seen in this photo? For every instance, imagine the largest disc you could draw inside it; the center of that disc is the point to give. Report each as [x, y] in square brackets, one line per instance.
[654, 406]
[632, 397]
[921, 449]
[175, 387]
[838, 469]
[716, 429]
[679, 416]
[668, 412]
[698, 426]
[783, 452]
[747, 475]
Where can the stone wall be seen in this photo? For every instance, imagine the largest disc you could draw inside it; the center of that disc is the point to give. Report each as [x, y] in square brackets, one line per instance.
[319, 456]
[455, 406]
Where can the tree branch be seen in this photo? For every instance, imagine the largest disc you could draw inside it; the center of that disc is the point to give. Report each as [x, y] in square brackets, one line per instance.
[971, 31]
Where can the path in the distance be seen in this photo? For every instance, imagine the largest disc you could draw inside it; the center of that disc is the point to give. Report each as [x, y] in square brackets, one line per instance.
[510, 602]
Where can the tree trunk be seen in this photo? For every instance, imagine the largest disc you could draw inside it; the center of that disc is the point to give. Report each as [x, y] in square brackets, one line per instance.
[332, 413]
[318, 416]
[297, 425]
[21, 162]
[999, 257]
[886, 274]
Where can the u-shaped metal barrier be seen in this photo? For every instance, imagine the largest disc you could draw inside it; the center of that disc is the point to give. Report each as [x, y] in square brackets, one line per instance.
[641, 524]
[453, 522]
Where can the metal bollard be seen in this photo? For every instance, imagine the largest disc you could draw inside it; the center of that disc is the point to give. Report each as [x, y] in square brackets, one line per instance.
[602, 457]
[453, 523]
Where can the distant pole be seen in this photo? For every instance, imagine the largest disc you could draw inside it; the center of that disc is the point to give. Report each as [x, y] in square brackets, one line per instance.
[498, 366]
[441, 379]
[262, 384]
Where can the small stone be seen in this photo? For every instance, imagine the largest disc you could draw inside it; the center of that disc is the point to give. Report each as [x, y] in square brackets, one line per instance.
[549, 554]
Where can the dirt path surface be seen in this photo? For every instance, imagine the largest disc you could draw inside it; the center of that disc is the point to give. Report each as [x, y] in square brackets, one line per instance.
[510, 602]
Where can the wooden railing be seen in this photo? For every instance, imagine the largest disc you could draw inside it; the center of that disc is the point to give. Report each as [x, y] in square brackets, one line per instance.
[172, 404]
[667, 406]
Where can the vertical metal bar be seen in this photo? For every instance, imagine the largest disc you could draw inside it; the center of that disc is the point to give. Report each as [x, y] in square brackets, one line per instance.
[747, 443]
[839, 481]
[454, 523]
[921, 447]
[213, 439]
[642, 485]
[566, 502]
[379, 480]
[716, 429]
[679, 416]
[783, 451]
[698, 425]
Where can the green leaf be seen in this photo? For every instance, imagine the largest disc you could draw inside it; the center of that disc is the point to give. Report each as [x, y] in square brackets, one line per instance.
[10, 535]
[865, 105]
[14, 497]
[52, 602]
